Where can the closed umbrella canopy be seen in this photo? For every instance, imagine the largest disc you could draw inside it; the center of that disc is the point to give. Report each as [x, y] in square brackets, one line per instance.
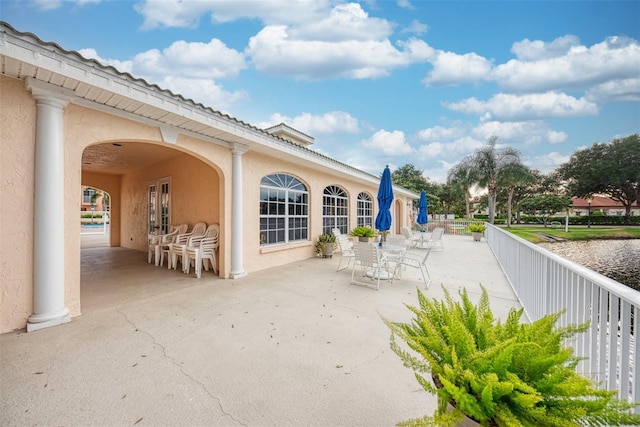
[385, 197]
[422, 209]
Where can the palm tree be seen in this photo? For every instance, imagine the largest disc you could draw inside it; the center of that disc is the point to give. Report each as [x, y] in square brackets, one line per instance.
[463, 176]
[512, 175]
[489, 163]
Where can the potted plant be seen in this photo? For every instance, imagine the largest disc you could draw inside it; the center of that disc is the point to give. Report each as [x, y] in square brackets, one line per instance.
[501, 374]
[363, 233]
[476, 229]
[325, 245]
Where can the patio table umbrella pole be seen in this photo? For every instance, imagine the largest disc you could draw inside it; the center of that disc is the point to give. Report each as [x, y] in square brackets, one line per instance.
[385, 198]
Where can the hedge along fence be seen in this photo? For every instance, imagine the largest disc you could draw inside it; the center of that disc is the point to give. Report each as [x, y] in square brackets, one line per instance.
[573, 220]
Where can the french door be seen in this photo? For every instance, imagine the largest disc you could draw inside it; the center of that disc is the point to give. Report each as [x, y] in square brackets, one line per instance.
[159, 206]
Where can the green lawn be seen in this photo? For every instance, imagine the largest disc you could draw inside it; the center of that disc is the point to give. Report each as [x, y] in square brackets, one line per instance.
[578, 232]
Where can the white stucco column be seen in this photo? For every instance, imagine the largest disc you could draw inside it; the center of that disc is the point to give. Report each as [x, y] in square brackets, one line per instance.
[237, 252]
[48, 216]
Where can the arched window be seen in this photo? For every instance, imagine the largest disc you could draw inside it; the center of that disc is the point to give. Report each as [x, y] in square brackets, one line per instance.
[365, 210]
[284, 209]
[335, 210]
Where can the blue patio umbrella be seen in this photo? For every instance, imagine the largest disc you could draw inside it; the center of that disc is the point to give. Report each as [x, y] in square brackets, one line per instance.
[385, 197]
[422, 209]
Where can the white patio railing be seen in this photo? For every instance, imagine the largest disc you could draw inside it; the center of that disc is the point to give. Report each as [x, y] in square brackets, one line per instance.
[546, 283]
[97, 224]
[456, 227]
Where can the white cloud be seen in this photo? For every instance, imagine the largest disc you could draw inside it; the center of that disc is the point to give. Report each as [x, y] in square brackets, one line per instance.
[512, 133]
[580, 68]
[523, 107]
[213, 60]
[416, 27]
[55, 4]
[627, 90]
[527, 50]
[274, 52]
[179, 13]
[455, 149]
[387, 143]
[344, 22]
[437, 133]
[452, 69]
[332, 122]
[405, 4]
[546, 163]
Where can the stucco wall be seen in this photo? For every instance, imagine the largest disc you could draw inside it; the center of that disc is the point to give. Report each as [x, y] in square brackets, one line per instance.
[17, 151]
[255, 167]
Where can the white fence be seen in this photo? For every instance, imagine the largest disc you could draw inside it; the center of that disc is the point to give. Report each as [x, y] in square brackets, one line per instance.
[450, 226]
[98, 224]
[546, 283]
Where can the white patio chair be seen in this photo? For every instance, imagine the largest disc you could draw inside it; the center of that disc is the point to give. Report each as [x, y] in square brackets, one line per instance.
[163, 247]
[435, 239]
[176, 249]
[410, 238]
[418, 260]
[371, 265]
[346, 250]
[157, 239]
[207, 255]
[336, 231]
[194, 250]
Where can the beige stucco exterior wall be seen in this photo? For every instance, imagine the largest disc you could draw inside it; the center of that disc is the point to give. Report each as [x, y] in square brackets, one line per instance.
[256, 166]
[17, 150]
[201, 190]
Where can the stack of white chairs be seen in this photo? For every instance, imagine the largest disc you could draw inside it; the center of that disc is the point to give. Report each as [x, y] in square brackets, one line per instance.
[157, 241]
[163, 248]
[202, 250]
[177, 248]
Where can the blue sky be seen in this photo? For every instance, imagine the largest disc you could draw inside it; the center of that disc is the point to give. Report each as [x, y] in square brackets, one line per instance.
[379, 82]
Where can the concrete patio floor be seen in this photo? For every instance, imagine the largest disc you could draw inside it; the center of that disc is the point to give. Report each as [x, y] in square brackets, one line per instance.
[290, 346]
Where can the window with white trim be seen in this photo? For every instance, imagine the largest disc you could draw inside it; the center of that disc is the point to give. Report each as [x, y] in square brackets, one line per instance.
[335, 210]
[284, 209]
[364, 214]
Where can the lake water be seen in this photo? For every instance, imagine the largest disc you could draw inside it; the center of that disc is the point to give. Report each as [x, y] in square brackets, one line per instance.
[616, 259]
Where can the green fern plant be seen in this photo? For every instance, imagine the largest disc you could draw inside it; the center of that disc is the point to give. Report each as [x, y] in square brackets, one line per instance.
[500, 373]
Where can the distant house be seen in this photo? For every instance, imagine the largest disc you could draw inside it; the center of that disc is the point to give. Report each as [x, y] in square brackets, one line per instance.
[603, 204]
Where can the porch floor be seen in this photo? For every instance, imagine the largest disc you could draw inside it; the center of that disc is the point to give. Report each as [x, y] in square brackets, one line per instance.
[290, 346]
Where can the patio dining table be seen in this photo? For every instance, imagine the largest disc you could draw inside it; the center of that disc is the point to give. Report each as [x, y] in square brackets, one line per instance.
[392, 254]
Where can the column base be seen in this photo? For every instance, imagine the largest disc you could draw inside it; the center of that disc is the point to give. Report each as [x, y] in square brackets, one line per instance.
[238, 275]
[37, 322]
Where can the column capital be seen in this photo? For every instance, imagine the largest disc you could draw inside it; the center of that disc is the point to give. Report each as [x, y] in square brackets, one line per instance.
[239, 149]
[47, 93]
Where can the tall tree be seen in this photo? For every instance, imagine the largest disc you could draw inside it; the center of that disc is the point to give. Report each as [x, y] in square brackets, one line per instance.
[463, 176]
[512, 175]
[609, 168]
[489, 162]
[409, 177]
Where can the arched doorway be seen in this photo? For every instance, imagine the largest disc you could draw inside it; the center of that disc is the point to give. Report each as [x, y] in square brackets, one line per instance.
[189, 189]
